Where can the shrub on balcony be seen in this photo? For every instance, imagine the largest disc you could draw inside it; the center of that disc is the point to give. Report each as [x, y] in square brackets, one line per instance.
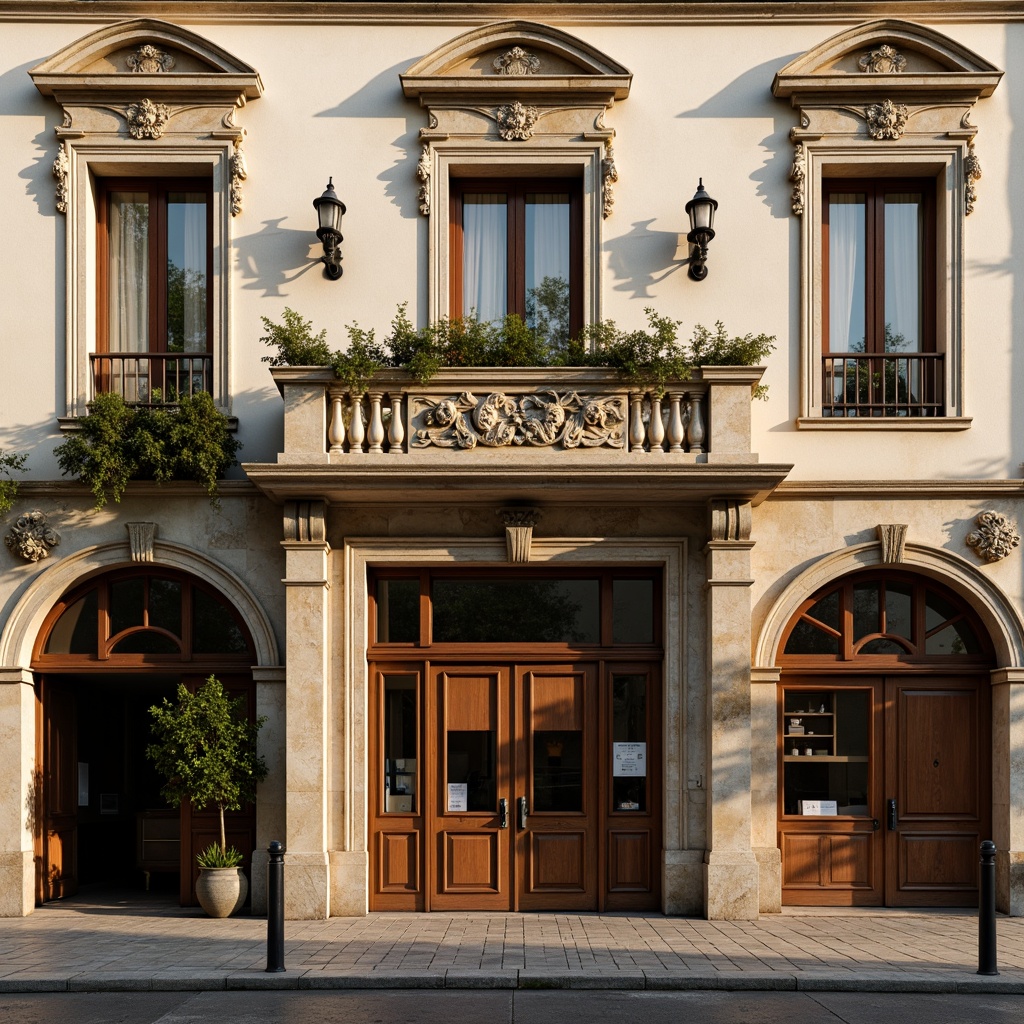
[650, 357]
[117, 442]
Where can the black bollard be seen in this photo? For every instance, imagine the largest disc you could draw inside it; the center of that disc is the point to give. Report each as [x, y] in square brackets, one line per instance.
[275, 907]
[987, 910]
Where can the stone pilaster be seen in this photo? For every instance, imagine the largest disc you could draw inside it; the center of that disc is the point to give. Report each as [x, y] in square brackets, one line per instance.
[307, 650]
[730, 866]
[1008, 788]
[19, 792]
[270, 798]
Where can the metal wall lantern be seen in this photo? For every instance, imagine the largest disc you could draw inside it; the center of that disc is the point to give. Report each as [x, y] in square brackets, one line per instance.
[701, 211]
[330, 209]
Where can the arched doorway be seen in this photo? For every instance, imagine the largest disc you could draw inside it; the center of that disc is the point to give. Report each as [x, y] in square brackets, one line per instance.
[108, 650]
[883, 745]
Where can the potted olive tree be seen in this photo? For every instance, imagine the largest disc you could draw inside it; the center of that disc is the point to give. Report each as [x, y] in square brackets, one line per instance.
[205, 746]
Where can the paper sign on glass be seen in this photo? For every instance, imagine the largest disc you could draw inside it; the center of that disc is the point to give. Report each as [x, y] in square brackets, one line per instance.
[629, 759]
[458, 796]
[818, 807]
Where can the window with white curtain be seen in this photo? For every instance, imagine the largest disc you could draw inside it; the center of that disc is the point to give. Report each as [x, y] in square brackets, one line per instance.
[879, 347]
[154, 337]
[517, 249]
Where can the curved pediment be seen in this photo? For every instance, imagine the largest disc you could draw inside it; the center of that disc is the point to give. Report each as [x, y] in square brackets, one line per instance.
[899, 56]
[144, 53]
[524, 55]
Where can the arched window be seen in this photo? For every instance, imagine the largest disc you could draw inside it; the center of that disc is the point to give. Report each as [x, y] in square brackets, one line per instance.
[138, 617]
[880, 616]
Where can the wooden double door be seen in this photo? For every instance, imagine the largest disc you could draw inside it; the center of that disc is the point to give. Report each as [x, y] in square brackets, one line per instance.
[516, 787]
[886, 793]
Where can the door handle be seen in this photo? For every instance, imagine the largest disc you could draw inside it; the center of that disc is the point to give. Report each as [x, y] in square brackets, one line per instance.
[524, 811]
[502, 813]
[891, 806]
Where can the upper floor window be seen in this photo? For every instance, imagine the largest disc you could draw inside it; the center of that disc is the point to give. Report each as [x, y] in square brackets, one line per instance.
[879, 287]
[155, 266]
[517, 248]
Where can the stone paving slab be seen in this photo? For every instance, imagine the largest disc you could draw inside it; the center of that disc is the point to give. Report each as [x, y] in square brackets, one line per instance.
[131, 945]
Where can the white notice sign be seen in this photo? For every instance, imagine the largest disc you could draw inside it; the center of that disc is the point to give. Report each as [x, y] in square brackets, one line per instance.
[458, 796]
[819, 806]
[629, 759]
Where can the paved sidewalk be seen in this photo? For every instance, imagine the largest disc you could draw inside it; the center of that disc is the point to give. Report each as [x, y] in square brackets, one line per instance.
[107, 944]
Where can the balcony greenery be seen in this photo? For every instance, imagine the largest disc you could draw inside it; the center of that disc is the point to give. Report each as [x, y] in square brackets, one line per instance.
[649, 358]
[117, 442]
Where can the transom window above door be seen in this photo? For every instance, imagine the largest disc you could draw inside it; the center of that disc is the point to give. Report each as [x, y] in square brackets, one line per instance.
[155, 266]
[517, 248]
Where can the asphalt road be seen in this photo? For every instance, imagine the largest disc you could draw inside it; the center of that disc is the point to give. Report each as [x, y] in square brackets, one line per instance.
[500, 1007]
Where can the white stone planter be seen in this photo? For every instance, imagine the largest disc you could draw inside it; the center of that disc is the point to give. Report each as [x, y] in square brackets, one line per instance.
[221, 891]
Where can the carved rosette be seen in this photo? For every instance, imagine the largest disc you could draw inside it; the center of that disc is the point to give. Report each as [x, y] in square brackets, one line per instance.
[61, 168]
[609, 175]
[886, 60]
[148, 60]
[995, 537]
[972, 172]
[887, 120]
[543, 419]
[516, 121]
[798, 175]
[516, 62]
[31, 536]
[423, 173]
[146, 119]
[239, 172]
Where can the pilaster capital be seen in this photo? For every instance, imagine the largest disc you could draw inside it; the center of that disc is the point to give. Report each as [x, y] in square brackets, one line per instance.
[729, 521]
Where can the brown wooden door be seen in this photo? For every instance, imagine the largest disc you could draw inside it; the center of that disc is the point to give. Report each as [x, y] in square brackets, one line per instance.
[469, 775]
[937, 789]
[557, 781]
[57, 752]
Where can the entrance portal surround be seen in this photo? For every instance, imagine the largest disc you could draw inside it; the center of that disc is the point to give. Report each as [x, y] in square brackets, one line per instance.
[19, 773]
[328, 767]
[1006, 631]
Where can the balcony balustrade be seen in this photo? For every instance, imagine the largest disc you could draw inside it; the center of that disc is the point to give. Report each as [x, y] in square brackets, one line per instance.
[151, 378]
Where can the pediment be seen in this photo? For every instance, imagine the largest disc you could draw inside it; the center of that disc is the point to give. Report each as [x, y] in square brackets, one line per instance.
[524, 56]
[896, 57]
[145, 55]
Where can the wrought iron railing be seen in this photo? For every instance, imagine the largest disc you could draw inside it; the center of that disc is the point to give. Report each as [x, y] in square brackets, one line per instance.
[893, 384]
[152, 378]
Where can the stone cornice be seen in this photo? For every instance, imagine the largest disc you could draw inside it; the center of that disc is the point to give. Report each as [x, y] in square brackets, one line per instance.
[694, 12]
[924, 489]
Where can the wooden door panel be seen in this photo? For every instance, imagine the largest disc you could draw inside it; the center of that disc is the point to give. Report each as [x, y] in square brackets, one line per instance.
[60, 791]
[932, 861]
[558, 861]
[398, 860]
[472, 861]
[629, 861]
[938, 736]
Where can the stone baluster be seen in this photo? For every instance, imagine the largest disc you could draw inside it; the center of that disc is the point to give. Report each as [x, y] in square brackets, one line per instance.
[636, 423]
[336, 426]
[676, 428]
[656, 428]
[375, 434]
[396, 429]
[695, 431]
[356, 428]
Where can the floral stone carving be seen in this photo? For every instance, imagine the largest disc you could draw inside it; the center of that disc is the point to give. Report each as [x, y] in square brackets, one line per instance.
[61, 168]
[146, 119]
[886, 60]
[515, 121]
[972, 173]
[995, 537]
[887, 120]
[31, 536]
[517, 62]
[541, 419]
[798, 175]
[148, 60]
[239, 172]
[609, 175]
